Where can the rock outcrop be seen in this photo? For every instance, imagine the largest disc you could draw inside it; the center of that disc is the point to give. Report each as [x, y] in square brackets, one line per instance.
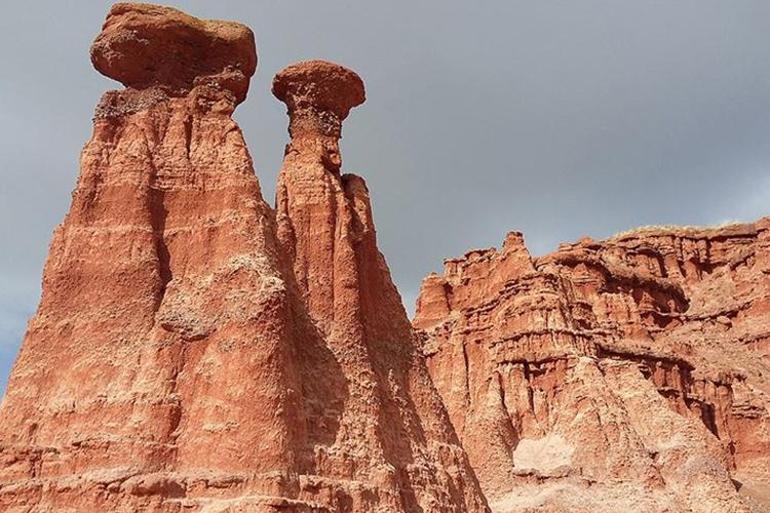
[626, 374]
[174, 362]
[195, 350]
[391, 416]
[146, 46]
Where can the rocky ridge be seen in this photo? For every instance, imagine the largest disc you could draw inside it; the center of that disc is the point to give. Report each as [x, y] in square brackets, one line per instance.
[629, 373]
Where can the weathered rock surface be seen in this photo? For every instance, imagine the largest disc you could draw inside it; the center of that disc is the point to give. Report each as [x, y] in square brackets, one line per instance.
[391, 416]
[144, 46]
[196, 351]
[174, 363]
[630, 374]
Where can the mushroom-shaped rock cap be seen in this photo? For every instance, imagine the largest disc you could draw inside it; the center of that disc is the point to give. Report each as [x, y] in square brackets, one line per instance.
[323, 85]
[144, 45]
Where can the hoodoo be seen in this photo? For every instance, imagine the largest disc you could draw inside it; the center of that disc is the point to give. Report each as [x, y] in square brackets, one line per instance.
[623, 375]
[159, 368]
[176, 361]
[324, 220]
[392, 424]
[197, 351]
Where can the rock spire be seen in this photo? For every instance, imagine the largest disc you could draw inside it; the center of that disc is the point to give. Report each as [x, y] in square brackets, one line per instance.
[174, 362]
[325, 227]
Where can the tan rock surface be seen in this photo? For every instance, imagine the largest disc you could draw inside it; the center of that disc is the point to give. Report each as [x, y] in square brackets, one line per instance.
[173, 364]
[624, 375]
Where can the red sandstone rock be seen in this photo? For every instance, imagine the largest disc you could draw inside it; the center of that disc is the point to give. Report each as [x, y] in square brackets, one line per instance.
[173, 363]
[627, 374]
[162, 299]
[196, 351]
[391, 416]
[143, 46]
[321, 87]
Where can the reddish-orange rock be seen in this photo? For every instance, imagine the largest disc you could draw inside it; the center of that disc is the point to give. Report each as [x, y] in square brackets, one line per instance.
[392, 426]
[160, 365]
[173, 363]
[196, 351]
[624, 375]
[143, 46]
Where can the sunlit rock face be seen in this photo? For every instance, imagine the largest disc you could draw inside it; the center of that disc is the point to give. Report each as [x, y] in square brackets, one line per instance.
[176, 361]
[630, 374]
[391, 423]
[195, 350]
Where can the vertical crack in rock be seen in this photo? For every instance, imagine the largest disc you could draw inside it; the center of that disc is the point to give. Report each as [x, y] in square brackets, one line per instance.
[467, 372]
[158, 214]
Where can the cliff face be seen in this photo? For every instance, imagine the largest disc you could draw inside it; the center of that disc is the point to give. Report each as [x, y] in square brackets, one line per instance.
[195, 350]
[626, 374]
[175, 363]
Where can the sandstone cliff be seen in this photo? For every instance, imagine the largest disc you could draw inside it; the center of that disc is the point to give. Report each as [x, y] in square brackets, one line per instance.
[179, 359]
[195, 350]
[626, 374]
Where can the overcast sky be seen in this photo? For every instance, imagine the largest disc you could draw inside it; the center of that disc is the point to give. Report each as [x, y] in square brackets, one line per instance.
[559, 119]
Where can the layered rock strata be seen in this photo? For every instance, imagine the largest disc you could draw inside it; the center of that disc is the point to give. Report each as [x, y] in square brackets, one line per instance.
[391, 416]
[174, 363]
[626, 374]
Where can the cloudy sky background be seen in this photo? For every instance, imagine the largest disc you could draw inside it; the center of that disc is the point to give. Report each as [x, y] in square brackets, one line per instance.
[559, 119]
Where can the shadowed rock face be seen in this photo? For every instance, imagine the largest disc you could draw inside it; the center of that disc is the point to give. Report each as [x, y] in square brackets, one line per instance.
[626, 374]
[175, 363]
